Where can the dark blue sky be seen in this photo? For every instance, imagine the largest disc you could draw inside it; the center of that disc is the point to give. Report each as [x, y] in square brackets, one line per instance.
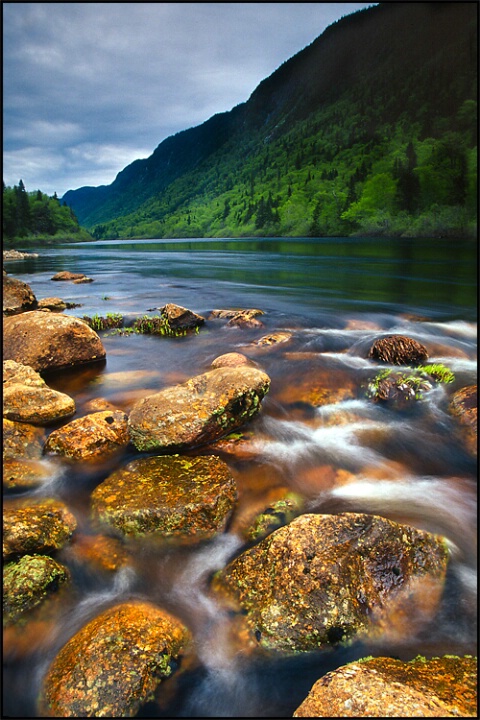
[90, 87]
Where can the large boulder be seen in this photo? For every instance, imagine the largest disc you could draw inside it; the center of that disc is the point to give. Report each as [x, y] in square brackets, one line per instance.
[324, 579]
[28, 583]
[198, 411]
[36, 526]
[185, 498]
[48, 341]
[18, 297]
[114, 664]
[398, 350]
[27, 398]
[386, 687]
[96, 436]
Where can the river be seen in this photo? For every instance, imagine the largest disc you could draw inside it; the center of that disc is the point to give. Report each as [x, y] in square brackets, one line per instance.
[335, 296]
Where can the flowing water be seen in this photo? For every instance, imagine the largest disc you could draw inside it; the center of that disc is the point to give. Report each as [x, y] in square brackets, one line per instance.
[341, 452]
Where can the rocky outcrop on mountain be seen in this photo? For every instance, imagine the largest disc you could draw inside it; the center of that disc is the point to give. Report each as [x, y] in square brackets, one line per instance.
[324, 579]
[199, 411]
[49, 341]
[386, 687]
[115, 663]
[189, 499]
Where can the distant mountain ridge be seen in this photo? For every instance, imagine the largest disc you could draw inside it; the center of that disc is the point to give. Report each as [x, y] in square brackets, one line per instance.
[372, 96]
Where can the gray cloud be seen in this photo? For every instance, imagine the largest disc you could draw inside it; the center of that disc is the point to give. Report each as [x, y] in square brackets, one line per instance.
[90, 87]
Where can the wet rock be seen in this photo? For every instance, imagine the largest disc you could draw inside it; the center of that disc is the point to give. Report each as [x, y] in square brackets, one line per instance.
[54, 304]
[239, 318]
[384, 687]
[78, 281]
[180, 318]
[398, 389]
[464, 408]
[199, 411]
[22, 441]
[277, 338]
[114, 664]
[66, 275]
[96, 553]
[36, 526]
[17, 255]
[94, 437]
[18, 297]
[48, 341]
[232, 359]
[25, 474]
[186, 498]
[282, 507]
[316, 386]
[28, 582]
[398, 350]
[27, 398]
[324, 579]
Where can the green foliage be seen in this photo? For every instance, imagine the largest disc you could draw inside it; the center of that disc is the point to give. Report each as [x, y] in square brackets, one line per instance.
[97, 322]
[156, 325]
[412, 382]
[32, 218]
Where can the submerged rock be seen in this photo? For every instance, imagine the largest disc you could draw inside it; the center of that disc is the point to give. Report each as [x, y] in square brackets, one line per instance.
[67, 275]
[22, 440]
[398, 350]
[97, 436]
[28, 582]
[186, 498]
[27, 397]
[114, 664]
[25, 474]
[36, 526]
[464, 408]
[231, 359]
[384, 687]
[48, 341]
[324, 579]
[18, 297]
[199, 411]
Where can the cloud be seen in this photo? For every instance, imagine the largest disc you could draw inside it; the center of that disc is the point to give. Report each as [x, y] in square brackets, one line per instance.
[89, 87]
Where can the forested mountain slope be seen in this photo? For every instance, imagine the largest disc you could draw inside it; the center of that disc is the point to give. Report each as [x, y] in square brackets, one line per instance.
[371, 129]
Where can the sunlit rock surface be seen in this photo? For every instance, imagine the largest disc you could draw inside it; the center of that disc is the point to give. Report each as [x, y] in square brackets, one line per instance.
[31, 526]
[114, 664]
[324, 579]
[27, 397]
[22, 440]
[48, 341]
[464, 408]
[199, 411]
[384, 687]
[18, 297]
[185, 498]
[94, 437]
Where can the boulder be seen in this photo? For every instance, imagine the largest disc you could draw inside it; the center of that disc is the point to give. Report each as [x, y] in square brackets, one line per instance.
[385, 687]
[179, 318]
[19, 475]
[324, 579]
[114, 664]
[239, 318]
[67, 275]
[185, 498]
[36, 526]
[277, 338]
[464, 408]
[49, 341]
[22, 441]
[398, 350]
[94, 437]
[199, 411]
[231, 359]
[27, 398]
[28, 582]
[96, 554]
[52, 303]
[17, 296]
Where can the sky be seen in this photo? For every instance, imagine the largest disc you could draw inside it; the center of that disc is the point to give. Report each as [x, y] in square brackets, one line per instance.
[90, 87]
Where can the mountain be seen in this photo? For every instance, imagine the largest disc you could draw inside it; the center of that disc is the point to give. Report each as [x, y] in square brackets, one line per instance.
[370, 129]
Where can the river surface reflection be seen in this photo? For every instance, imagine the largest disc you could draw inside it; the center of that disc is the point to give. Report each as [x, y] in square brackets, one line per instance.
[317, 434]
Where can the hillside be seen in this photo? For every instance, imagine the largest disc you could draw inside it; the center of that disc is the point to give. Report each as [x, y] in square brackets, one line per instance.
[371, 129]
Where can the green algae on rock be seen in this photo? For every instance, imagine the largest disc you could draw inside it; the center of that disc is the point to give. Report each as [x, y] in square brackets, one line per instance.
[386, 687]
[324, 579]
[187, 498]
[28, 582]
[36, 526]
[114, 664]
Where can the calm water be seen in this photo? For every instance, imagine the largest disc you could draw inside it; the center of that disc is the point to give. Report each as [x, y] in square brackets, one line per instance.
[335, 297]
